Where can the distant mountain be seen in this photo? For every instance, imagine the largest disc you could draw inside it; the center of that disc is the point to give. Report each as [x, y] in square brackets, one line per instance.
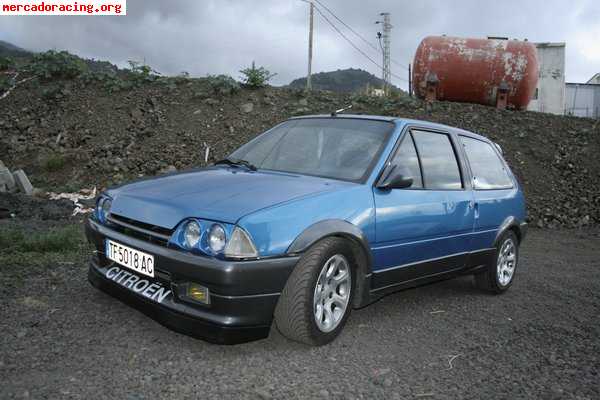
[10, 50]
[342, 80]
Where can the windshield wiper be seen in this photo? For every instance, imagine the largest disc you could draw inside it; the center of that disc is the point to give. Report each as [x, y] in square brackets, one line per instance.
[237, 162]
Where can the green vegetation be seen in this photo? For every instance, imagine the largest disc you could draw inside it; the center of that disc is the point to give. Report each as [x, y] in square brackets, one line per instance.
[53, 65]
[24, 247]
[256, 77]
[223, 84]
[5, 83]
[141, 73]
[6, 63]
[110, 81]
[137, 75]
[53, 162]
[53, 91]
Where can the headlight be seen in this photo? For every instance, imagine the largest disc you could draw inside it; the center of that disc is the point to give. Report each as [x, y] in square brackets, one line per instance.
[106, 204]
[216, 238]
[103, 209]
[192, 234]
[240, 245]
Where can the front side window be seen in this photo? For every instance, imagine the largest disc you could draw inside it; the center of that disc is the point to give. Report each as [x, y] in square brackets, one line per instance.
[406, 161]
[342, 148]
[440, 167]
[487, 167]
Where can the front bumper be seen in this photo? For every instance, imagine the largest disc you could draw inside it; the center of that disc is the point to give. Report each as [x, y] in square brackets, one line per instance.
[243, 294]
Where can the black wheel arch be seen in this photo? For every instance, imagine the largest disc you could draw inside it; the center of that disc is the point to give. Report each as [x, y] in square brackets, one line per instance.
[362, 251]
[511, 223]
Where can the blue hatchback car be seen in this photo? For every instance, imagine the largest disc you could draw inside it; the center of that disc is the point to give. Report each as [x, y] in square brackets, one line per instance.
[314, 217]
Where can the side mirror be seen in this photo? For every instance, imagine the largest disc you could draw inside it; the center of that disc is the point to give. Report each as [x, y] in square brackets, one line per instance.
[395, 181]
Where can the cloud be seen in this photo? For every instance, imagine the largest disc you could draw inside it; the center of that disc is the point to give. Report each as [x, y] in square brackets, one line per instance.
[211, 37]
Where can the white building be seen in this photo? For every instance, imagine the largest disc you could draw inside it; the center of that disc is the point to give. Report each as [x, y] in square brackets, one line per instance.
[595, 80]
[549, 95]
[583, 99]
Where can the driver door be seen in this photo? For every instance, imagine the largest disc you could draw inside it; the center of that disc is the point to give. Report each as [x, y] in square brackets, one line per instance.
[423, 230]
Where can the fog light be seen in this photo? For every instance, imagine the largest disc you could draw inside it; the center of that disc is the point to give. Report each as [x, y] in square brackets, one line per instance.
[198, 293]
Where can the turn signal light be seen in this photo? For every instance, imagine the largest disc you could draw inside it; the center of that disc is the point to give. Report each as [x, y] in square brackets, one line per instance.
[198, 293]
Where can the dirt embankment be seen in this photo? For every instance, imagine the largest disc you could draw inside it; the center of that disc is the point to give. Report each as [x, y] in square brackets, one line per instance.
[72, 134]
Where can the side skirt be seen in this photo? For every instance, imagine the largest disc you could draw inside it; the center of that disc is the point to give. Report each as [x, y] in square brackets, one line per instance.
[416, 274]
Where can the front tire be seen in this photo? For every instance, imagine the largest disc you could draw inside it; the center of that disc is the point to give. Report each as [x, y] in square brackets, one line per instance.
[500, 274]
[317, 298]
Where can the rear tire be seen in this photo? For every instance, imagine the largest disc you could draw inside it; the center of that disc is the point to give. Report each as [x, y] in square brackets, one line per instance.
[317, 298]
[500, 274]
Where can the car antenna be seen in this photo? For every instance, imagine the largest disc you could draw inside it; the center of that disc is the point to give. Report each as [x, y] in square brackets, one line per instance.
[336, 112]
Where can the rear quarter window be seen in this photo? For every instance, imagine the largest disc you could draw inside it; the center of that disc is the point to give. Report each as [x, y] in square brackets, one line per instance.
[489, 171]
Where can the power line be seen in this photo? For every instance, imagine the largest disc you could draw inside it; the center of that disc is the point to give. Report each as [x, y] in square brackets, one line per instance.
[358, 34]
[353, 44]
[348, 26]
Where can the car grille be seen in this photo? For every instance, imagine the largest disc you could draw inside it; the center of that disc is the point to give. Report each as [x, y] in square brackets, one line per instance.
[140, 230]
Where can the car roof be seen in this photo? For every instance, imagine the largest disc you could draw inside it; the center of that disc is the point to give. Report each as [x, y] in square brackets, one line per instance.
[398, 120]
[349, 116]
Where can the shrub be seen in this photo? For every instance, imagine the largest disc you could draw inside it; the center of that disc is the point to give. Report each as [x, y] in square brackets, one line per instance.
[108, 80]
[141, 73]
[222, 84]
[53, 162]
[53, 64]
[256, 77]
[5, 83]
[6, 63]
[52, 92]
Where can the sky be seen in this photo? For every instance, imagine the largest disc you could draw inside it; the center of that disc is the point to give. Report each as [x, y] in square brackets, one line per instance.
[204, 37]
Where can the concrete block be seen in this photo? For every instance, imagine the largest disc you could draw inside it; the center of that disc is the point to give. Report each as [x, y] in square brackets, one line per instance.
[7, 179]
[23, 182]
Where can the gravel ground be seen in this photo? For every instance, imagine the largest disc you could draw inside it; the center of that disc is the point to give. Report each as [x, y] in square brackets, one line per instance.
[63, 339]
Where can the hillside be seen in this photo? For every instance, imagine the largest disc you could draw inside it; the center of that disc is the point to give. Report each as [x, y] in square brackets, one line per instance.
[343, 80]
[97, 129]
[10, 50]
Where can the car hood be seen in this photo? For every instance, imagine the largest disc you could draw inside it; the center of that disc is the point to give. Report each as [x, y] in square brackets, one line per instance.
[218, 193]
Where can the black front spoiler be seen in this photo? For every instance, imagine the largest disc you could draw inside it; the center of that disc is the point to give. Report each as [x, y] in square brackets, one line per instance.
[177, 321]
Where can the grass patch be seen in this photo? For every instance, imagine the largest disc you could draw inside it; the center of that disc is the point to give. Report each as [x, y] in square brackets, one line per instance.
[61, 244]
[53, 162]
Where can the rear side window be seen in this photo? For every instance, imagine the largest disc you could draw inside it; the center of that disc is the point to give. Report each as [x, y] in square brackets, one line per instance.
[407, 162]
[440, 167]
[487, 167]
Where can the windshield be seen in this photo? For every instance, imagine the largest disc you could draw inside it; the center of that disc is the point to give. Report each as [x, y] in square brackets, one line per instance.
[343, 148]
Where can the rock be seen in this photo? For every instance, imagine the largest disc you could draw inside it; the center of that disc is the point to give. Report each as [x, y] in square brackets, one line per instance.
[3, 188]
[168, 169]
[23, 182]
[247, 107]
[7, 179]
[303, 102]
[211, 102]
[32, 302]
[39, 193]
[2, 165]
[301, 110]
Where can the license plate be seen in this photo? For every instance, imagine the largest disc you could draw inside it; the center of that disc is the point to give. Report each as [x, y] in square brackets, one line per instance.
[131, 258]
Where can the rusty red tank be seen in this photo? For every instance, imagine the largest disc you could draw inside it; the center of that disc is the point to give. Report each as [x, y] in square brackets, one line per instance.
[493, 72]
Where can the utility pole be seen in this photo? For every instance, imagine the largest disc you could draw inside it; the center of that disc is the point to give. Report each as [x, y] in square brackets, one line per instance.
[310, 47]
[409, 81]
[386, 72]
